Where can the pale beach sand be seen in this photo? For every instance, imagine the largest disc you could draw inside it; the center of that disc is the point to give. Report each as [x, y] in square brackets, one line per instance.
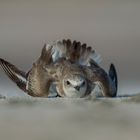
[66, 119]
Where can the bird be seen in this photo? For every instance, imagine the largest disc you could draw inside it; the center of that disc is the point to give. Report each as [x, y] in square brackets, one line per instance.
[71, 69]
[83, 60]
[74, 80]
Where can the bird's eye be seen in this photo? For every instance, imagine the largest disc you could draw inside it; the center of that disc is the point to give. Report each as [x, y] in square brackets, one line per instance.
[68, 83]
[84, 83]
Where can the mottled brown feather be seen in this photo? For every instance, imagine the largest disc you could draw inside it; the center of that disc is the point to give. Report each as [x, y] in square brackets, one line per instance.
[13, 72]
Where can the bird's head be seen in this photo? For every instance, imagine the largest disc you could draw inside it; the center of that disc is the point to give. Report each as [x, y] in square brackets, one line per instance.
[74, 86]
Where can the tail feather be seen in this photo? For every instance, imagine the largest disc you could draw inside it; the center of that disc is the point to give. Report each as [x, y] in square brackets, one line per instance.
[113, 76]
[16, 75]
[74, 51]
[82, 53]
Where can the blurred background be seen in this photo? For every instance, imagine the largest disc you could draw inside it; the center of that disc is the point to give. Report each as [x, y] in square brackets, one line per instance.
[111, 27]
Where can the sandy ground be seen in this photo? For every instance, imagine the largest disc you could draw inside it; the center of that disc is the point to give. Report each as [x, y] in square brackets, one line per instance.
[66, 119]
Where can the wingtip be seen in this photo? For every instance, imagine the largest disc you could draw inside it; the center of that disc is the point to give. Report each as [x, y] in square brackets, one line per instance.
[1, 60]
[46, 55]
[113, 76]
[112, 66]
[16, 75]
[43, 49]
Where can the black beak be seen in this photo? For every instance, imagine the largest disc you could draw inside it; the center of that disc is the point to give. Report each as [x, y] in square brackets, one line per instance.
[77, 88]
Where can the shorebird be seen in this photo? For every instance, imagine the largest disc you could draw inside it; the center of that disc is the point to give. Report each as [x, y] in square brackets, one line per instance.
[71, 68]
[74, 80]
[84, 61]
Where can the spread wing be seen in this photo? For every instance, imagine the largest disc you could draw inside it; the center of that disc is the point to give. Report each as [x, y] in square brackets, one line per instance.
[39, 82]
[74, 51]
[16, 75]
[46, 56]
[36, 82]
[105, 83]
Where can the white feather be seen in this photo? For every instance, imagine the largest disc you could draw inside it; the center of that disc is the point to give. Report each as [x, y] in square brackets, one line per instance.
[58, 50]
[96, 57]
[21, 78]
[97, 90]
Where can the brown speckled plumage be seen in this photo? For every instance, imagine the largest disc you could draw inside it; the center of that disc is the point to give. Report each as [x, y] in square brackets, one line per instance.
[35, 83]
[71, 58]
